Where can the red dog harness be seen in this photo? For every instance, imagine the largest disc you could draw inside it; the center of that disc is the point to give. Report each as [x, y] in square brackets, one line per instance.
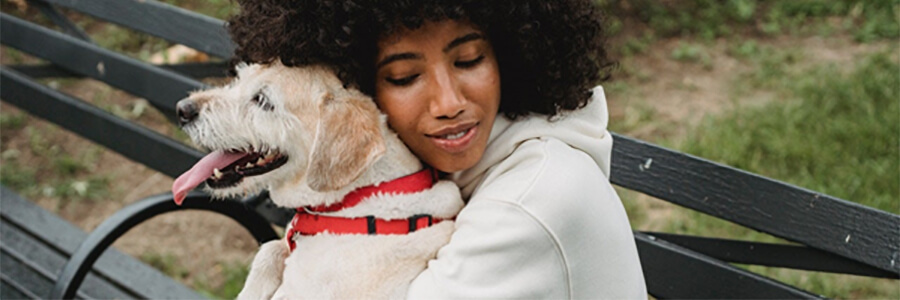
[305, 223]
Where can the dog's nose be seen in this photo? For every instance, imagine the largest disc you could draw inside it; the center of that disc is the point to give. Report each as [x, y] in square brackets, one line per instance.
[187, 111]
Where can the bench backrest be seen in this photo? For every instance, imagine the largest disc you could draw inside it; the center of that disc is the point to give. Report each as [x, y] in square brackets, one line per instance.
[835, 235]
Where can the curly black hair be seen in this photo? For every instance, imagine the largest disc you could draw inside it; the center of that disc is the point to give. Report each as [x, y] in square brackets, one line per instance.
[550, 53]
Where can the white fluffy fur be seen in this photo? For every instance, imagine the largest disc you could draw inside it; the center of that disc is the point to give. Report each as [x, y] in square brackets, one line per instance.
[323, 266]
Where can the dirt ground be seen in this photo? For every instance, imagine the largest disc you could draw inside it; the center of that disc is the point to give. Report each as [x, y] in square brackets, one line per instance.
[679, 93]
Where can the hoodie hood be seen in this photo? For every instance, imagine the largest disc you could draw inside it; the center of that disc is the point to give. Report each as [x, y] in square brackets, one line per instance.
[583, 129]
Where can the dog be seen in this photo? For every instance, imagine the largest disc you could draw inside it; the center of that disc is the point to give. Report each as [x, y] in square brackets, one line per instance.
[369, 216]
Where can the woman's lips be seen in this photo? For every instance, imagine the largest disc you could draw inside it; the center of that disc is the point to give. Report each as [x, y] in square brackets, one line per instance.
[454, 139]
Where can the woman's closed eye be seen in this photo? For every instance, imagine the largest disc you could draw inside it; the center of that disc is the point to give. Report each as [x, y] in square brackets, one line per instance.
[465, 64]
[403, 81]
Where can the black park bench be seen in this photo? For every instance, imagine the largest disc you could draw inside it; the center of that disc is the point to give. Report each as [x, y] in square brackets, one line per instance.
[43, 257]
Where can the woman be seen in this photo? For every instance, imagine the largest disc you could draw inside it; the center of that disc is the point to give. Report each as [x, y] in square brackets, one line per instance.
[496, 94]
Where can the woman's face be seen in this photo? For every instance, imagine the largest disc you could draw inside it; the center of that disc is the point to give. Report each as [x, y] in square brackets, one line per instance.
[440, 88]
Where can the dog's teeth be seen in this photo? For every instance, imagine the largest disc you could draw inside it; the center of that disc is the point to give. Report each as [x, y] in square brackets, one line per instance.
[260, 161]
[217, 174]
[248, 165]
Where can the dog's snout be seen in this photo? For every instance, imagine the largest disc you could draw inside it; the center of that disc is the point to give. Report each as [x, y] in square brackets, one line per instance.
[187, 111]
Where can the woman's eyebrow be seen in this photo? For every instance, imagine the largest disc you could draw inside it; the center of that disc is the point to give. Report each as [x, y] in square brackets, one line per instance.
[409, 55]
[463, 39]
[395, 57]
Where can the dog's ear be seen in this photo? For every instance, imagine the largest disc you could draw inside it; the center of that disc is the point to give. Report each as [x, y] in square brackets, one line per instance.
[347, 142]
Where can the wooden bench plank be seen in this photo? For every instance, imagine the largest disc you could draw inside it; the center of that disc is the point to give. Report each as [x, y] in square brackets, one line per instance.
[20, 245]
[193, 70]
[163, 88]
[674, 272]
[10, 289]
[25, 277]
[128, 272]
[773, 255]
[820, 221]
[60, 20]
[171, 23]
[136, 142]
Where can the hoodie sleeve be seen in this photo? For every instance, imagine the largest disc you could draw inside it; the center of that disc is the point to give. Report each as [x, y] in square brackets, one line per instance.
[485, 259]
[545, 224]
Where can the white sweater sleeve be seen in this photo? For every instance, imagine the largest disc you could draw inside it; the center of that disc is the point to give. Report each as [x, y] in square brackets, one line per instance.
[485, 259]
[545, 224]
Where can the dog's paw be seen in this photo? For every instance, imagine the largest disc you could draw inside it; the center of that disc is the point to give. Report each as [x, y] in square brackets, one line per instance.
[265, 271]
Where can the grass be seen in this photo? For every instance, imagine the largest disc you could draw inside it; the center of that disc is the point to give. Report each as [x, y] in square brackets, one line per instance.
[12, 121]
[834, 133]
[831, 129]
[233, 274]
[166, 263]
[867, 20]
[66, 175]
[17, 177]
[837, 134]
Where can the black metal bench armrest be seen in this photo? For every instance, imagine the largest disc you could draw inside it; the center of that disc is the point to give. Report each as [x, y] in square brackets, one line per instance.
[109, 231]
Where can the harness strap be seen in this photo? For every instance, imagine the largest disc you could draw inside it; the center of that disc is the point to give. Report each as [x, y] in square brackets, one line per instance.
[309, 224]
[306, 223]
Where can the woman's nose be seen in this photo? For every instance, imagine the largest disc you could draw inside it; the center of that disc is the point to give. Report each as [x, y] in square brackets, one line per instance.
[448, 101]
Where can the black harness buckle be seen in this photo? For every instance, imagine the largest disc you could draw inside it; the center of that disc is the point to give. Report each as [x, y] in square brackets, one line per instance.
[414, 221]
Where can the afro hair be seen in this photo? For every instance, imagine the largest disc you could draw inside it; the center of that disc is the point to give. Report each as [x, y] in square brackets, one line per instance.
[550, 53]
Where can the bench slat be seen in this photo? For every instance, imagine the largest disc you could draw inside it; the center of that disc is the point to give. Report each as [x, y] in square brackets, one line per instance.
[171, 23]
[773, 255]
[163, 88]
[25, 277]
[24, 246]
[820, 221]
[43, 71]
[9, 289]
[32, 274]
[674, 272]
[127, 272]
[136, 142]
[64, 24]
[193, 70]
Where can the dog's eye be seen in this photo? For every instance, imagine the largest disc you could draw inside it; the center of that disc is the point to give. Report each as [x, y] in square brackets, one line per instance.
[260, 100]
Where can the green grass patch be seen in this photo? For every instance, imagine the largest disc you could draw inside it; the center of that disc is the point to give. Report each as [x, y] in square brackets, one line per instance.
[166, 263]
[233, 274]
[17, 177]
[220, 9]
[866, 20]
[693, 53]
[12, 121]
[839, 135]
[830, 131]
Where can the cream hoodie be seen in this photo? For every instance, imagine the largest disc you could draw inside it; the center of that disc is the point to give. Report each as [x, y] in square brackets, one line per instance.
[542, 220]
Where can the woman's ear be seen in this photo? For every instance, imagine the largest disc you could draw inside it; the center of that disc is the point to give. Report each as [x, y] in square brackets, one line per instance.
[347, 142]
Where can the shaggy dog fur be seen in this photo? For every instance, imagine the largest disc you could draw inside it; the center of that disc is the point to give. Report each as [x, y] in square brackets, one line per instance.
[317, 141]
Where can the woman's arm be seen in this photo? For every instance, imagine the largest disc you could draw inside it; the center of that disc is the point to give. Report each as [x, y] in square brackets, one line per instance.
[546, 223]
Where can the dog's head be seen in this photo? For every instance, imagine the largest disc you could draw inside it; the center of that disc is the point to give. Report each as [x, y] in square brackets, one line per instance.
[274, 126]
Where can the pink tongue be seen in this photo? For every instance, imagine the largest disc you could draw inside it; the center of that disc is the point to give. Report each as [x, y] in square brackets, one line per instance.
[201, 171]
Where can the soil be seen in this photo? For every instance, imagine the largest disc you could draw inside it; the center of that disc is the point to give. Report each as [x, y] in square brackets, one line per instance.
[680, 93]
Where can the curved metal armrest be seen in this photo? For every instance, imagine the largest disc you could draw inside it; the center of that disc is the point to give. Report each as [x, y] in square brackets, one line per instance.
[109, 231]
